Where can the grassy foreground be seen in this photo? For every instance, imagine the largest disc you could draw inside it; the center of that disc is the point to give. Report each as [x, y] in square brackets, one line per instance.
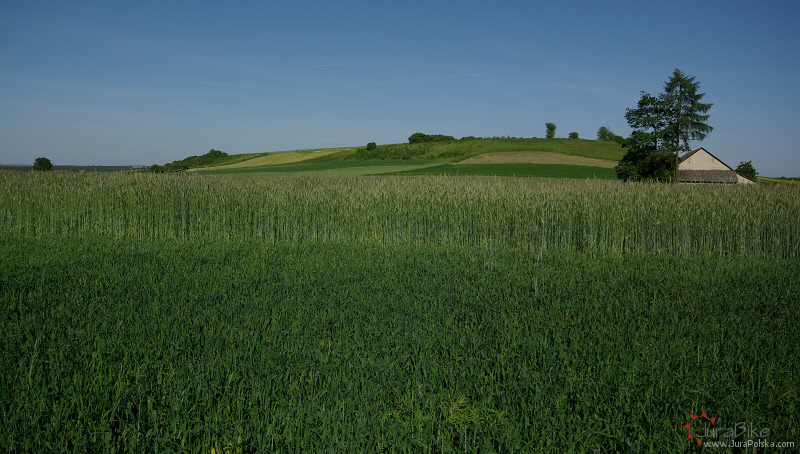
[182, 313]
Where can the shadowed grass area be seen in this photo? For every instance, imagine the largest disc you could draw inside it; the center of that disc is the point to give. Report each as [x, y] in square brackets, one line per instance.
[244, 346]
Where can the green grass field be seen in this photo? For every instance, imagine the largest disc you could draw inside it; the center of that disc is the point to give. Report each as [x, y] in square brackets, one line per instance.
[194, 312]
[328, 168]
[431, 158]
[462, 149]
[518, 170]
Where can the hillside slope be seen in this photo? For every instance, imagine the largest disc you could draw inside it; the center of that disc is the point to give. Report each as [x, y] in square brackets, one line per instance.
[590, 153]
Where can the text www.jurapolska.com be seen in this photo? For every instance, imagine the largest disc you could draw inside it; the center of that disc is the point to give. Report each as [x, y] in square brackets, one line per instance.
[748, 444]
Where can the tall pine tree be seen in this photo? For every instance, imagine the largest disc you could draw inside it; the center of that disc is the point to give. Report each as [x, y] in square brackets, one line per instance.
[662, 126]
[686, 113]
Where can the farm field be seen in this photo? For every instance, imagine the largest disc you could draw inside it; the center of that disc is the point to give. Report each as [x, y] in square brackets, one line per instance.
[285, 157]
[517, 170]
[191, 312]
[324, 168]
[537, 157]
[548, 158]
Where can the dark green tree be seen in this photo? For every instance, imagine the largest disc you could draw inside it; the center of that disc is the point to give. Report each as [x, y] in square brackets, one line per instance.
[372, 146]
[662, 126]
[42, 164]
[747, 170]
[551, 130]
[419, 137]
[685, 112]
[573, 135]
[643, 160]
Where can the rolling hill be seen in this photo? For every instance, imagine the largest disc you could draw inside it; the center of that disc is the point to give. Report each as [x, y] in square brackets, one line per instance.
[558, 158]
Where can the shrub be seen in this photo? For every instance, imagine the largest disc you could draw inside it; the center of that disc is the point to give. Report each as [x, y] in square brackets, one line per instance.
[42, 164]
[551, 130]
[419, 137]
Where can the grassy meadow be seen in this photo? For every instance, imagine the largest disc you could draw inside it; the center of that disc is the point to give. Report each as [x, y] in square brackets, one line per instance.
[197, 312]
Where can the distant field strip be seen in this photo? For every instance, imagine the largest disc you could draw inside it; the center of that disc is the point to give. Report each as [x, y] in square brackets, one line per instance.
[332, 168]
[282, 157]
[518, 170]
[537, 157]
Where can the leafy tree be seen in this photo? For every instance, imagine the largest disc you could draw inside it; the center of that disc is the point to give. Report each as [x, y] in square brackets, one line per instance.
[662, 126]
[643, 160]
[372, 146]
[747, 170]
[551, 130]
[604, 133]
[42, 164]
[573, 135]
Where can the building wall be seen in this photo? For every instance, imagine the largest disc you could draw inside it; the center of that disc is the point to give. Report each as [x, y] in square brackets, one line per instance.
[742, 180]
[702, 161]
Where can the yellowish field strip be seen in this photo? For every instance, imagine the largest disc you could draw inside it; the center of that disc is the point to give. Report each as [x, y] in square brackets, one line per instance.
[537, 157]
[280, 157]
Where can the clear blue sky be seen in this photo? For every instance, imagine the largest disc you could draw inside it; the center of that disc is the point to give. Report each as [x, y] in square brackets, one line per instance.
[118, 83]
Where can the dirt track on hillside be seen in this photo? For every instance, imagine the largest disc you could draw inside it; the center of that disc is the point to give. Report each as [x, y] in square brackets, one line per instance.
[537, 157]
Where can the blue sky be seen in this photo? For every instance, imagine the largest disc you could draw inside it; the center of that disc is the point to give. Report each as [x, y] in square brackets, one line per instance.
[112, 83]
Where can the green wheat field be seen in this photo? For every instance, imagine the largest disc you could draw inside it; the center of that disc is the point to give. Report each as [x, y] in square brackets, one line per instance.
[203, 313]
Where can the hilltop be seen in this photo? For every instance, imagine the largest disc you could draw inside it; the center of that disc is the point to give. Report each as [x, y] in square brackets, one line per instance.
[577, 158]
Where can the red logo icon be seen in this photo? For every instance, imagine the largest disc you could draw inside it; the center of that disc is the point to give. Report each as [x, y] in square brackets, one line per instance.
[689, 426]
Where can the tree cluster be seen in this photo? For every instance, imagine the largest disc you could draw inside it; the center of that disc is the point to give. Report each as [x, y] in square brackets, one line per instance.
[210, 158]
[662, 127]
[419, 137]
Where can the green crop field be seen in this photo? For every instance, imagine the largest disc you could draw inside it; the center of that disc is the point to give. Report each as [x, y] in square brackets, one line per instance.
[555, 158]
[202, 313]
[516, 170]
[326, 168]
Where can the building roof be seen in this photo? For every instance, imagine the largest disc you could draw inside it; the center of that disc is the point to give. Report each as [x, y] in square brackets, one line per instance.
[707, 176]
[703, 171]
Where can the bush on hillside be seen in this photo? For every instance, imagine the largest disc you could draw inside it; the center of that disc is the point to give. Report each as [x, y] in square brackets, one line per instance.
[207, 159]
[419, 137]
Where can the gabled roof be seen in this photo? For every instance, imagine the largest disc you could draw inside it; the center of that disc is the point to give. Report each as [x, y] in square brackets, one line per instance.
[722, 174]
[689, 155]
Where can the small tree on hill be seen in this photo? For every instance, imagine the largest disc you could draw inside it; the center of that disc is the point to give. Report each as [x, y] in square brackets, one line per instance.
[573, 135]
[747, 170]
[551, 130]
[42, 164]
[372, 146]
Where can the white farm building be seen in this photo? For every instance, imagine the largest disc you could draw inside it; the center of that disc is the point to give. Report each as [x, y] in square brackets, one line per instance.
[700, 166]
